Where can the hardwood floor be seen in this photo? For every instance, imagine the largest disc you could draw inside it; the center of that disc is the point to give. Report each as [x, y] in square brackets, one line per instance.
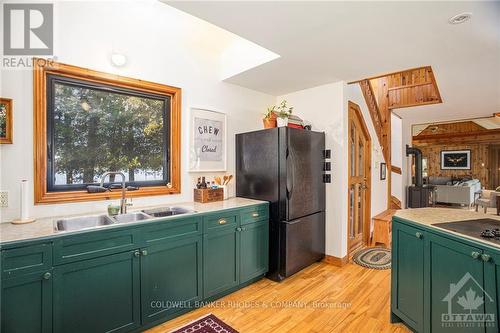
[321, 298]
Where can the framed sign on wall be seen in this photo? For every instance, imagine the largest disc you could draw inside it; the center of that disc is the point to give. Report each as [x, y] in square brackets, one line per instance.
[207, 142]
[455, 160]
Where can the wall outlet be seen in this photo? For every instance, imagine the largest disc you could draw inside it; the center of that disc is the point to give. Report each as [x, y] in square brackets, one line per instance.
[4, 199]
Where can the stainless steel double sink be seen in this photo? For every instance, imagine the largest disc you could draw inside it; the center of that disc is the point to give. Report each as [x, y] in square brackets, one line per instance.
[88, 222]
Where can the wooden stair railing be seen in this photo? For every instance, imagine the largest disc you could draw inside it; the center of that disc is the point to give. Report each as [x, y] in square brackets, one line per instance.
[379, 118]
[395, 203]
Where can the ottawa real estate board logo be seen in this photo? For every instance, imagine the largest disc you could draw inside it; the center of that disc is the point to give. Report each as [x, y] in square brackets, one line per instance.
[467, 301]
[28, 30]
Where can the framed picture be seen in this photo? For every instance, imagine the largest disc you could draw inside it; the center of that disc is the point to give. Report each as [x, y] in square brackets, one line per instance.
[5, 120]
[383, 171]
[455, 159]
[207, 142]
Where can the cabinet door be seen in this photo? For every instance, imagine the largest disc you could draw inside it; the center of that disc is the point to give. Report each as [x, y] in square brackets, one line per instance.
[98, 295]
[220, 261]
[27, 304]
[455, 286]
[254, 253]
[408, 275]
[492, 290]
[171, 275]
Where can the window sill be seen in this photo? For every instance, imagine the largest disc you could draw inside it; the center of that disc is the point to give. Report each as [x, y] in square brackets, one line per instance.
[80, 196]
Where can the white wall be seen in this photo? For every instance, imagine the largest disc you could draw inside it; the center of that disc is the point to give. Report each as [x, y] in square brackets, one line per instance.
[323, 107]
[397, 186]
[326, 108]
[162, 45]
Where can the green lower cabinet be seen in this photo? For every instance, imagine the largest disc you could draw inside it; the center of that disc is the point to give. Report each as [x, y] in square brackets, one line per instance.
[408, 275]
[456, 285]
[98, 295]
[129, 279]
[171, 277]
[27, 304]
[221, 251]
[492, 289]
[254, 254]
[442, 283]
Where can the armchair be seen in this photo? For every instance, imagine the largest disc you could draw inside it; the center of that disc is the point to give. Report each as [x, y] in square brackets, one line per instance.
[486, 199]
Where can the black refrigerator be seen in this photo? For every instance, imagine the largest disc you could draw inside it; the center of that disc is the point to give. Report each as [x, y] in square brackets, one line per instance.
[285, 167]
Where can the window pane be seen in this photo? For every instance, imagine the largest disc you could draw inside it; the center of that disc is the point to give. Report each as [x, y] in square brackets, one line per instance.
[96, 130]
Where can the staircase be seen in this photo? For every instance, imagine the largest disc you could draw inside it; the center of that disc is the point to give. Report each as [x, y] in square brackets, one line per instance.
[381, 119]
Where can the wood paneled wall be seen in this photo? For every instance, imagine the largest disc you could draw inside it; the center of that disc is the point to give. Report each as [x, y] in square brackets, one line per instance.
[412, 87]
[479, 161]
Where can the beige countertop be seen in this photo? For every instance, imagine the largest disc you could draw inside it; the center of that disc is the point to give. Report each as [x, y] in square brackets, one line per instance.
[44, 227]
[429, 216]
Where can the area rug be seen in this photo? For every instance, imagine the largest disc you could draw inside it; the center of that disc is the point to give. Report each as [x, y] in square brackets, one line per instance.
[373, 257]
[207, 324]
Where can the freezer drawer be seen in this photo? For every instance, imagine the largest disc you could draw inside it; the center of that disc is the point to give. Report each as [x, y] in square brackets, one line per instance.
[305, 242]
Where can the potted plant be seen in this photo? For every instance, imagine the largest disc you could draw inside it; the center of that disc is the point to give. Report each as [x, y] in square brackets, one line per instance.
[283, 113]
[269, 119]
[277, 115]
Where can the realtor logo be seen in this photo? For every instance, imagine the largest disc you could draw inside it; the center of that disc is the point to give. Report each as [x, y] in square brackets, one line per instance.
[28, 29]
[466, 300]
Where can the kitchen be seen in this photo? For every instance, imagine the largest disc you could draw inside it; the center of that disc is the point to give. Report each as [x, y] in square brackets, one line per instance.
[149, 181]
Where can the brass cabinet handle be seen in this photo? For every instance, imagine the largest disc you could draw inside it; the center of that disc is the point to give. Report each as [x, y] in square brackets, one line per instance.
[137, 254]
[144, 252]
[485, 257]
[419, 235]
[255, 215]
[222, 221]
[47, 276]
[475, 254]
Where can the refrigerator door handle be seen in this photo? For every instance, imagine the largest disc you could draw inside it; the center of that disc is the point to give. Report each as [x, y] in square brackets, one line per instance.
[289, 176]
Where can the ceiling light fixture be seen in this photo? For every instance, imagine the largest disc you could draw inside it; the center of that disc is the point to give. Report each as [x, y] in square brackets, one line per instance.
[118, 59]
[460, 18]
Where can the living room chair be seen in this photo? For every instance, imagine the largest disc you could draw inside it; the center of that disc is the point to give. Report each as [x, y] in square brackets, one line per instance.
[486, 199]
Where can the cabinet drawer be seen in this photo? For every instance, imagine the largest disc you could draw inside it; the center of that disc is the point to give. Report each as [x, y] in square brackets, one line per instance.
[93, 245]
[172, 229]
[28, 259]
[254, 214]
[218, 222]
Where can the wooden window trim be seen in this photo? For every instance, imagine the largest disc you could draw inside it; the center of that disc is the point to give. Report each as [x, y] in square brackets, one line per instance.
[43, 67]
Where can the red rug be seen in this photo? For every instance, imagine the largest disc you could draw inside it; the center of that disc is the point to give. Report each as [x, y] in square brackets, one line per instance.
[207, 324]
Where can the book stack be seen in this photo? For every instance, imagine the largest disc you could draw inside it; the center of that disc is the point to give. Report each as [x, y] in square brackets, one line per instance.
[295, 122]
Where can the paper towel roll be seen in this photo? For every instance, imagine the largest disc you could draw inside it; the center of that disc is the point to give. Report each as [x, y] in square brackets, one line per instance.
[24, 200]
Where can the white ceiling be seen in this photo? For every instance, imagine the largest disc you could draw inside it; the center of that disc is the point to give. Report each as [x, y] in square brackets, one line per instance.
[323, 42]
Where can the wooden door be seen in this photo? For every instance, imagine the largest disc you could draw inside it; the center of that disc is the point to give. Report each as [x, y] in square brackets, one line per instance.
[359, 161]
[494, 167]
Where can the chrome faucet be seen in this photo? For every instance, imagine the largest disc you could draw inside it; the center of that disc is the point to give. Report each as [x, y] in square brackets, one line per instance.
[123, 200]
